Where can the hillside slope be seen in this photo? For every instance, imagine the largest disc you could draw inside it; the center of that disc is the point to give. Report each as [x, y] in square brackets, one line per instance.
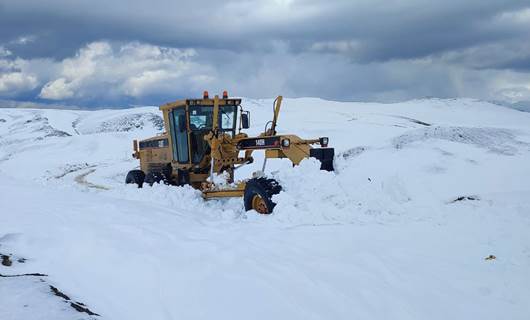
[423, 192]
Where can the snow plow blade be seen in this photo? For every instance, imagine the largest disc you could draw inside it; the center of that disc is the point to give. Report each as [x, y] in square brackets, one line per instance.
[325, 155]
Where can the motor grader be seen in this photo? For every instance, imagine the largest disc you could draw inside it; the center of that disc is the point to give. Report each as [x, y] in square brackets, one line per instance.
[200, 143]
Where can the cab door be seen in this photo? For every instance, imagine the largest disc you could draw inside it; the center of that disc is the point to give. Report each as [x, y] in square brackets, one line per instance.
[179, 133]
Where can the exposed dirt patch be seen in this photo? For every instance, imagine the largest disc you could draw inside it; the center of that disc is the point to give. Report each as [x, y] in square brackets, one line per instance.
[466, 198]
[58, 293]
[353, 152]
[78, 306]
[6, 261]
[23, 275]
[70, 168]
[415, 121]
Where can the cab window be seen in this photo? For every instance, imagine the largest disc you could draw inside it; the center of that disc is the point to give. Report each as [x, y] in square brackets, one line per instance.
[201, 118]
[180, 135]
[228, 117]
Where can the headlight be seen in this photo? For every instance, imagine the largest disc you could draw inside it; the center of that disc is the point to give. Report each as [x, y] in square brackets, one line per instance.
[286, 142]
[324, 141]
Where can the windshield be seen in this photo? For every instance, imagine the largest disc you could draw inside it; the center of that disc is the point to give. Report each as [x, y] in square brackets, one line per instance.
[228, 117]
[201, 117]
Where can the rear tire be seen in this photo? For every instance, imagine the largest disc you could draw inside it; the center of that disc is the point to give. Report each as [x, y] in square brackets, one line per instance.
[153, 177]
[157, 177]
[135, 176]
[258, 195]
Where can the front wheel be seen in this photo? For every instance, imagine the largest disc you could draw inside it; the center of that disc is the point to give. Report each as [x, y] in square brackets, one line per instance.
[258, 194]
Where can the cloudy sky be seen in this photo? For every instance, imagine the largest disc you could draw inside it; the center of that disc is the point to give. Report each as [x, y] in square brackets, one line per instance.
[123, 52]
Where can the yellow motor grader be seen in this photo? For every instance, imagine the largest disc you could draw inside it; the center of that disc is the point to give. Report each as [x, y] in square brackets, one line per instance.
[203, 139]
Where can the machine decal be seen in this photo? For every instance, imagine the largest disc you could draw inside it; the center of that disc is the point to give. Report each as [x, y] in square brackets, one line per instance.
[161, 143]
[259, 143]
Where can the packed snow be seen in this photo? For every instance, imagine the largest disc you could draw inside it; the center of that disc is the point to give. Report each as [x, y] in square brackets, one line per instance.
[426, 217]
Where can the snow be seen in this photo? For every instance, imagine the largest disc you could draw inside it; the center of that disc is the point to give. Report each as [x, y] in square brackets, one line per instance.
[423, 192]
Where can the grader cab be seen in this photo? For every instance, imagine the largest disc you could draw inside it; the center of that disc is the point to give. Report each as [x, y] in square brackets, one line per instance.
[203, 138]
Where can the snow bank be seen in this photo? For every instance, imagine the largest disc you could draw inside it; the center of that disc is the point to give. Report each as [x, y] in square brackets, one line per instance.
[495, 140]
[423, 192]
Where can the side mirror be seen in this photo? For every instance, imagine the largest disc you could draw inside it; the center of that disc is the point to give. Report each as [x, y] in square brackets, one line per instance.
[245, 119]
[181, 123]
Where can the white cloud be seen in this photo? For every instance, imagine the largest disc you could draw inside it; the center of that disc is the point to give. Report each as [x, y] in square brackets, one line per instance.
[57, 89]
[132, 69]
[103, 72]
[15, 82]
[521, 17]
[4, 52]
[343, 46]
[515, 94]
[24, 40]
[512, 87]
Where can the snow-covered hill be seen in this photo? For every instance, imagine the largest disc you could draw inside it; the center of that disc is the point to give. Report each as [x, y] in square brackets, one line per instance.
[424, 191]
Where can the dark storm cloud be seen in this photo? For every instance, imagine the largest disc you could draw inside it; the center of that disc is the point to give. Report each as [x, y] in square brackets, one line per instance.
[522, 64]
[346, 49]
[383, 30]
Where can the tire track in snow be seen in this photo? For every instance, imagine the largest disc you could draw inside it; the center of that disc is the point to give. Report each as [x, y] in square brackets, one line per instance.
[81, 179]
